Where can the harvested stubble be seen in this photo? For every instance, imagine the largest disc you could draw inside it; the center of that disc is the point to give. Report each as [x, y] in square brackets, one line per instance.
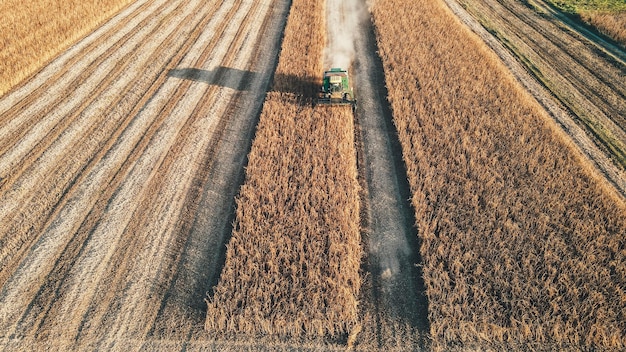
[521, 243]
[32, 32]
[292, 264]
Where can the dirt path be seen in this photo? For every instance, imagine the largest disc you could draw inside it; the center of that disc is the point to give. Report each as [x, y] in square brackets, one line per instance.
[396, 306]
[578, 82]
[119, 165]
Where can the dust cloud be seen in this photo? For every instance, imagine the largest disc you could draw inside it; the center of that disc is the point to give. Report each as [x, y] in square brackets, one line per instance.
[343, 18]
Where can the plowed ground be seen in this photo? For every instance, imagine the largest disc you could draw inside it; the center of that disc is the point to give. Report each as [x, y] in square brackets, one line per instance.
[110, 231]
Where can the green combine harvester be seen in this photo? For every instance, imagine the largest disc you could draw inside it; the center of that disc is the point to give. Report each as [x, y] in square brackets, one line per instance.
[336, 89]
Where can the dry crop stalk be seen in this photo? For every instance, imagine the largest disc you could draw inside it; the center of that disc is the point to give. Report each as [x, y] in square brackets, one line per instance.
[32, 32]
[521, 243]
[292, 264]
[610, 24]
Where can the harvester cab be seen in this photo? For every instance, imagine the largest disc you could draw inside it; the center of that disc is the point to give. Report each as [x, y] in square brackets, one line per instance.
[336, 88]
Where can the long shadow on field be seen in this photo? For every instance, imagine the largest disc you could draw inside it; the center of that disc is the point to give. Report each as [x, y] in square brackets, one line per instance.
[305, 87]
[221, 76]
[211, 200]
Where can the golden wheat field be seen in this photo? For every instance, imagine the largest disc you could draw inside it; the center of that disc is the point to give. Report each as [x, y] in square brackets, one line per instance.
[32, 32]
[292, 264]
[520, 243]
[168, 181]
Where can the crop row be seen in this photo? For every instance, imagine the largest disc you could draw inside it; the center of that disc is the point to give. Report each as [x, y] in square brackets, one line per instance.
[521, 242]
[292, 263]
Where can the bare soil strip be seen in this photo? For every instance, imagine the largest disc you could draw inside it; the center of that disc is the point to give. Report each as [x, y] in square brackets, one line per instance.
[395, 311]
[117, 179]
[583, 76]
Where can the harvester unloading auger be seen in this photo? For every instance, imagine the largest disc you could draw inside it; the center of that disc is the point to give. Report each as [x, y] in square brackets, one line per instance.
[336, 89]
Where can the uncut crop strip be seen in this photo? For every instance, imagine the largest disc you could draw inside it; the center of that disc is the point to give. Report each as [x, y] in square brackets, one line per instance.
[521, 244]
[32, 32]
[292, 262]
[610, 24]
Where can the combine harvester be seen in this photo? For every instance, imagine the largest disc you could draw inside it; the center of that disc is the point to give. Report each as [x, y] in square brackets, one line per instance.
[336, 89]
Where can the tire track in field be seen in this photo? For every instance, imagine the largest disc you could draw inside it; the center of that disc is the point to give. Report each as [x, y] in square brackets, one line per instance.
[68, 171]
[112, 162]
[595, 59]
[599, 42]
[92, 236]
[148, 81]
[396, 305]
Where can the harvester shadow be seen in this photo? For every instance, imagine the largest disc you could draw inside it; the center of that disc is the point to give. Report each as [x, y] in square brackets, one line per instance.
[306, 87]
[227, 77]
[221, 76]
